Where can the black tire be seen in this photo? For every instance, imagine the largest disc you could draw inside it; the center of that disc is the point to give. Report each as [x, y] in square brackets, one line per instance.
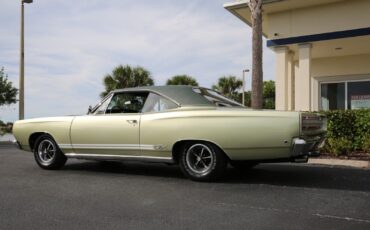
[243, 165]
[202, 161]
[47, 153]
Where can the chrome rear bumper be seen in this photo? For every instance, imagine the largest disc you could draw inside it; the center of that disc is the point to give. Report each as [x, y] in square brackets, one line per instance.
[302, 149]
[15, 142]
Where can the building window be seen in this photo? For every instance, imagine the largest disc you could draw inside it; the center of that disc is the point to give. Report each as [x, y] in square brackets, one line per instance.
[333, 96]
[358, 95]
[345, 95]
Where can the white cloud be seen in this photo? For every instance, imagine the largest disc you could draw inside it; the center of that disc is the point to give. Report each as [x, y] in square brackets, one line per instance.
[71, 45]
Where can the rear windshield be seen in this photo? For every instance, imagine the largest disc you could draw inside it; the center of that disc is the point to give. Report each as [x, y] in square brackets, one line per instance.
[217, 98]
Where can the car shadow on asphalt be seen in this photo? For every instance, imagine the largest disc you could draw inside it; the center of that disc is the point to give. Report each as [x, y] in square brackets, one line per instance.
[293, 175]
[127, 168]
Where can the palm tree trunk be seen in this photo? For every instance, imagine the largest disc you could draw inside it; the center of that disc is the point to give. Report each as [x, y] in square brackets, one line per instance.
[257, 73]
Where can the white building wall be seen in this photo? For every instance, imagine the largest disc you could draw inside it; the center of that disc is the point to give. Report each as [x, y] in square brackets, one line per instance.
[351, 68]
[319, 19]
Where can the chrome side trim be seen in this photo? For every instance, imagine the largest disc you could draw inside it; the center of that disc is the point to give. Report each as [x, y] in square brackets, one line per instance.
[65, 146]
[105, 146]
[89, 156]
[113, 146]
[153, 147]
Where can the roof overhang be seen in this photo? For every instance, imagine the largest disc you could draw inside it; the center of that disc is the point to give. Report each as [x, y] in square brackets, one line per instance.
[240, 8]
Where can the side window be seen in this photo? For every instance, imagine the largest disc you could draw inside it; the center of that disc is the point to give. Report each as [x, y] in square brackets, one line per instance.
[156, 103]
[127, 102]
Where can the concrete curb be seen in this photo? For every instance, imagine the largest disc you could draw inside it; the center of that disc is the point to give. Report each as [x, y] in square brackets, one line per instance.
[7, 144]
[338, 162]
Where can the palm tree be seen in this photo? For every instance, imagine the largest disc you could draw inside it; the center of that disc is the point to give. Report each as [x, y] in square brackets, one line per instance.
[257, 73]
[229, 86]
[182, 80]
[126, 76]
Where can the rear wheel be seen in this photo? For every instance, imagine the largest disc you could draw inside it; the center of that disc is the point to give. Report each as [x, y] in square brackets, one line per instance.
[47, 153]
[202, 161]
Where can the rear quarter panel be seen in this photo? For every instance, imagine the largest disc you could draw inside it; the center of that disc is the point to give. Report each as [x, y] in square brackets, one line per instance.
[242, 134]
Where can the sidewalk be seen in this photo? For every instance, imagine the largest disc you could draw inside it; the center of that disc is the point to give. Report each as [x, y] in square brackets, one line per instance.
[339, 162]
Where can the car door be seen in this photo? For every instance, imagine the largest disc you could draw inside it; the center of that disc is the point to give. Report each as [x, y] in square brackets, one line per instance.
[113, 129]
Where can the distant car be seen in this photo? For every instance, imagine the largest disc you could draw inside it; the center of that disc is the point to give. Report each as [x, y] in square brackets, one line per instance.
[197, 128]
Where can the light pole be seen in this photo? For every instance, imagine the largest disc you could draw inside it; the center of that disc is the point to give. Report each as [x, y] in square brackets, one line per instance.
[244, 71]
[21, 63]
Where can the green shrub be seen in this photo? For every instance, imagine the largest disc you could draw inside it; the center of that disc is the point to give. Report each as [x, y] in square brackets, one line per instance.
[348, 131]
[339, 146]
[5, 128]
[367, 145]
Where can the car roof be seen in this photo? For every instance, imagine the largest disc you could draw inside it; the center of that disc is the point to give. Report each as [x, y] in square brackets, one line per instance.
[184, 95]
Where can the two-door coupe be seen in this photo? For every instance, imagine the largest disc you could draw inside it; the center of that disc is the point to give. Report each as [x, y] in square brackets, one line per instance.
[197, 128]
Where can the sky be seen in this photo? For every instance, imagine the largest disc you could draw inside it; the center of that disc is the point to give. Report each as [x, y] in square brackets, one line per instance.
[71, 45]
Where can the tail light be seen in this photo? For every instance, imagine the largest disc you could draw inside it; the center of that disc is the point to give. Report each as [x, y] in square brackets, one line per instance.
[312, 123]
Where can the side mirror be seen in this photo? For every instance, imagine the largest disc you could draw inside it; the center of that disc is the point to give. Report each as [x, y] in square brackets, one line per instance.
[89, 110]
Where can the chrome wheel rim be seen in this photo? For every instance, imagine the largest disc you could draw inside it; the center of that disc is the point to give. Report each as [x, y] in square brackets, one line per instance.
[200, 158]
[46, 151]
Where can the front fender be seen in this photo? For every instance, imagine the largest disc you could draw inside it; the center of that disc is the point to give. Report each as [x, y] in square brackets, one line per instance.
[57, 127]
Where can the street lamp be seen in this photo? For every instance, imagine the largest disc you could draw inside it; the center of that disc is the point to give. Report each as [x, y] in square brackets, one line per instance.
[244, 71]
[21, 63]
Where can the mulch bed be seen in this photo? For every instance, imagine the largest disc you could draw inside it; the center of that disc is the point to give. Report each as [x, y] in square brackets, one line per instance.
[361, 156]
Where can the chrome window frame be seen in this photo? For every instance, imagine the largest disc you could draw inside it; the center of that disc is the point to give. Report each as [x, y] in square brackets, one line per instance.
[112, 93]
[163, 96]
[96, 107]
[232, 102]
[153, 91]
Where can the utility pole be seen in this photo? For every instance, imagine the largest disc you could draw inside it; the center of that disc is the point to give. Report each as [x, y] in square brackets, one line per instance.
[244, 71]
[21, 63]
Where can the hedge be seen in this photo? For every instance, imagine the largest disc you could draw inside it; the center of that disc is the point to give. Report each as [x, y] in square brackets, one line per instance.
[5, 127]
[348, 131]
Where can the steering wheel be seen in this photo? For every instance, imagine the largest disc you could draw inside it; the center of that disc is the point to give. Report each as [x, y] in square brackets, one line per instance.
[115, 109]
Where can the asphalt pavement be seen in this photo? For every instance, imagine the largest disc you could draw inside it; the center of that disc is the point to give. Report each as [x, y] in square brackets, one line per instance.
[93, 195]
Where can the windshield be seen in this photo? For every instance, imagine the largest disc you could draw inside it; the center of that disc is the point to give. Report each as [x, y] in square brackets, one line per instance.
[106, 99]
[217, 98]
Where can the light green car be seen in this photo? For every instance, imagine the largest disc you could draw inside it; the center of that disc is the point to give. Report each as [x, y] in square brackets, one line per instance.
[195, 127]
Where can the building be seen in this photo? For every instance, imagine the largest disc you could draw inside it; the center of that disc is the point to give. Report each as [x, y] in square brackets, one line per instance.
[322, 50]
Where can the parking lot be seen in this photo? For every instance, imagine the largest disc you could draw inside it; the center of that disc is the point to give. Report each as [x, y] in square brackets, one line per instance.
[93, 195]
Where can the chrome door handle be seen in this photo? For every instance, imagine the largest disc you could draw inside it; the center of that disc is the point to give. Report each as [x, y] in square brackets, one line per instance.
[132, 122]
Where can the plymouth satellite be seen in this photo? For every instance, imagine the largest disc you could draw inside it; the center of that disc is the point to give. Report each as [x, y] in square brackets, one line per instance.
[195, 127]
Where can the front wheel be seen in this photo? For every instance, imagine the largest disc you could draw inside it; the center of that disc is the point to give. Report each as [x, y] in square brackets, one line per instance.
[202, 161]
[47, 153]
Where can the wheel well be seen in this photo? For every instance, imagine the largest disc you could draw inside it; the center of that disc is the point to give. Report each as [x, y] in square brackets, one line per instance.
[33, 138]
[177, 147]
